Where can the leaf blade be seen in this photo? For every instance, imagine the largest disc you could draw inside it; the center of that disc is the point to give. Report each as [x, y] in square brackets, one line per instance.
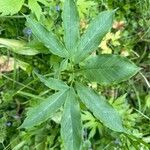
[44, 110]
[94, 34]
[47, 38]
[71, 128]
[52, 83]
[10, 7]
[19, 47]
[35, 7]
[71, 25]
[107, 69]
[100, 108]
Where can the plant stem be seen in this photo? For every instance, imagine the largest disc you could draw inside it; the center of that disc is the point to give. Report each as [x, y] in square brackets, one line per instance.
[147, 82]
[19, 17]
[137, 95]
[142, 114]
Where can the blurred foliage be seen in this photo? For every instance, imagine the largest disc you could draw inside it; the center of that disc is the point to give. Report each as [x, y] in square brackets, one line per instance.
[130, 37]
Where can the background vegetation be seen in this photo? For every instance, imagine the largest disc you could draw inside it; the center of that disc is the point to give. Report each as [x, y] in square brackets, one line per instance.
[20, 89]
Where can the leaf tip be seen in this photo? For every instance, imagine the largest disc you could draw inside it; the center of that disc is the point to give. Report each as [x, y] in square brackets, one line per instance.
[115, 9]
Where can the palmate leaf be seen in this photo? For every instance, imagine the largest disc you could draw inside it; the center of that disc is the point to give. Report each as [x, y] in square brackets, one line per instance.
[102, 110]
[94, 34]
[10, 7]
[71, 127]
[107, 69]
[44, 110]
[52, 83]
[71, 25]
[47, 38]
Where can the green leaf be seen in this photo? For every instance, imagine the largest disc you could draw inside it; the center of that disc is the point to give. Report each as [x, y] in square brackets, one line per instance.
[47, 38]
[38, 46]
[44, 2]
[107, 69]
[35, 7]
[71, 128]
[10, 7]
[21, 47]
[44, 110]
[102, 110]
[19, 145]
[71, 25]
[94, 34]
[52, 83]
[24, 66]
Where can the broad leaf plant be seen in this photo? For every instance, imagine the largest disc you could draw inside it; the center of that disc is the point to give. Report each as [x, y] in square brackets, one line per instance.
[11, 7]
[77, 51]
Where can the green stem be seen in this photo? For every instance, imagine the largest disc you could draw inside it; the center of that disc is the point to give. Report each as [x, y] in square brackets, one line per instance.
[3, 75]
[17, 17]
[137, 95]
[142, 114]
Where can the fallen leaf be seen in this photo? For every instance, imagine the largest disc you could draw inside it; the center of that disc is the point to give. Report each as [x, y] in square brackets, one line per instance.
[7, 64]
